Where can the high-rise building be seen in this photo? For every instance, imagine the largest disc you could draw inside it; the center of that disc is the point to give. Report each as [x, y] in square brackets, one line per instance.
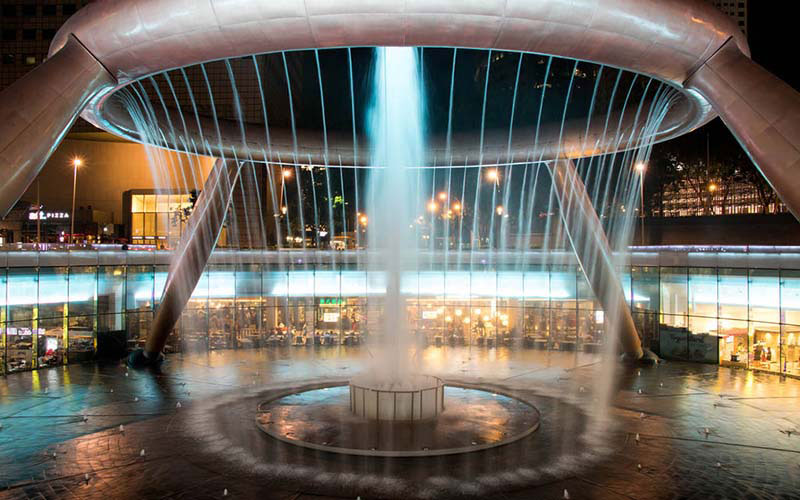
[737, 9]
[26, 30]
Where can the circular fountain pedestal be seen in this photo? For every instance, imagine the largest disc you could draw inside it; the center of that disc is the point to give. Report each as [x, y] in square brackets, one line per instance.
[429, 418]
[418, 397]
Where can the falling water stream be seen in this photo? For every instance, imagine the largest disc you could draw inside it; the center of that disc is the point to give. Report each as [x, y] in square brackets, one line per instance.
[416, 212]
[396, 132]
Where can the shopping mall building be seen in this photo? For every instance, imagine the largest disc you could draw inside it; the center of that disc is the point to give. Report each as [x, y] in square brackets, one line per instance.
[737, 306]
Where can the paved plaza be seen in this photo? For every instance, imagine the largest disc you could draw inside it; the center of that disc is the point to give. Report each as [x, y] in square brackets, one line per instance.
[100, 431]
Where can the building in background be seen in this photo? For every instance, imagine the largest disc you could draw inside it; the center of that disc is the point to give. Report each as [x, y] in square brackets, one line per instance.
[700, 197]
[736, 9]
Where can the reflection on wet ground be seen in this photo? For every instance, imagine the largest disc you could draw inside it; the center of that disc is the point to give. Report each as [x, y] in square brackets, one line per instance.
[321, 418]
[677, 430]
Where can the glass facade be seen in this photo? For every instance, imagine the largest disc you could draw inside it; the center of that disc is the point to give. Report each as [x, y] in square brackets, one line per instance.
[158, 219]
[55, 314]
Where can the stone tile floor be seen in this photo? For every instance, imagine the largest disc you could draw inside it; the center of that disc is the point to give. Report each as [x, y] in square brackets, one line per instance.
[704, 431]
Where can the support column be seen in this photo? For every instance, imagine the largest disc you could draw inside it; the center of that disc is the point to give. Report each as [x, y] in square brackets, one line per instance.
[189, 262]
[38, 110]
[585, 232]
[763, 113]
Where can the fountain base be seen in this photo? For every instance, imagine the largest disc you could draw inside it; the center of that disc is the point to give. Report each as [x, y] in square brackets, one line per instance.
[418, 397]
[471, 419]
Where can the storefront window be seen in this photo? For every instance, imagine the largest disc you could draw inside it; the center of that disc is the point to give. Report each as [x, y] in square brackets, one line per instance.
[674, 297]
[703, 300]
[790, 349]
[221, 307]
[765, 348]
[110, 298]
[139, 303]
[733, 342]
[82, 312]
[563, 308]
[3, 311]
[52, 316]
[733, 294]
[764, 296]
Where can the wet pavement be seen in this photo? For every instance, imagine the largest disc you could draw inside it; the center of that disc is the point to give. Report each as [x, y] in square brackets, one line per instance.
[677, 430]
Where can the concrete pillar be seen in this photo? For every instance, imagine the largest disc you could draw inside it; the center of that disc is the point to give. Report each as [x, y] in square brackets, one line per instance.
[189, 262]
[37, 111]
[763, 113]
[588, 240]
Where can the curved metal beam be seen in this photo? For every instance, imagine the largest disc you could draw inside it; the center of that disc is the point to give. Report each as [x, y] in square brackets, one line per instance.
[588, 240]
[762, 111]
[667, 40]
[37, 110]
[604, 134]
[187, 266]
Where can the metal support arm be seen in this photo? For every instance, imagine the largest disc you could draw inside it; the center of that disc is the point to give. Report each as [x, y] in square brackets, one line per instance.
[37, 111]
[762, 111]
[195, 247]
[585, 232]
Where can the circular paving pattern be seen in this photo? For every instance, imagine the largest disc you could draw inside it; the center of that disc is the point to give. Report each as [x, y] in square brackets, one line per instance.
[474, 419]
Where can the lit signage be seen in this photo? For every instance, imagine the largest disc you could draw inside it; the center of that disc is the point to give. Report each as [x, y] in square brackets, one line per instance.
[331, 302]
[47, 215]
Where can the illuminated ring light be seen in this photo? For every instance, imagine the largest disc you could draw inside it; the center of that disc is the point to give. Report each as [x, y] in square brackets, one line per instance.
[666, 41]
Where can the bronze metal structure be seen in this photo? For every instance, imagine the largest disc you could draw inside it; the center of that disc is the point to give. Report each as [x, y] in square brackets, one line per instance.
[684, 43]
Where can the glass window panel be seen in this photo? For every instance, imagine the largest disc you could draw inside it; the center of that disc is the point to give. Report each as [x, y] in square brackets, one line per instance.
[733, 286]
[674, 296]
[194, 327]
[19, 345]
[790, 297]
[24, 283]
[431, 284]
[790, 352]
[149, 224]
[327, 282]
[53, 291]
[137, 225]
[765, 297]
[81, 338]
[645, 281]
[137, 203]
[111, 292]
[733, 342]
[149, 203]
[51, 342]
[703, 292]
[175, 203]
[139, 287]
[162, 225]
[2, 348]
[275, 286]
[248, 283]
[162, 203]
[82, 290]
[160, 275]
[765, 346]
[457, 286]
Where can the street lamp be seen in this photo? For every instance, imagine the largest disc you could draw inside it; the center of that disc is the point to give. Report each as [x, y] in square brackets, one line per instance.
[499, 210]
[493, 175]
[285, 174]
[442, 196]
[432, 206]
[641, 167]
[76, 162]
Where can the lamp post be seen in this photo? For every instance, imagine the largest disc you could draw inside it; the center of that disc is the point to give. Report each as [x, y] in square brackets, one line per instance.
[641, 167]
[76, 162]
[285, 174]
